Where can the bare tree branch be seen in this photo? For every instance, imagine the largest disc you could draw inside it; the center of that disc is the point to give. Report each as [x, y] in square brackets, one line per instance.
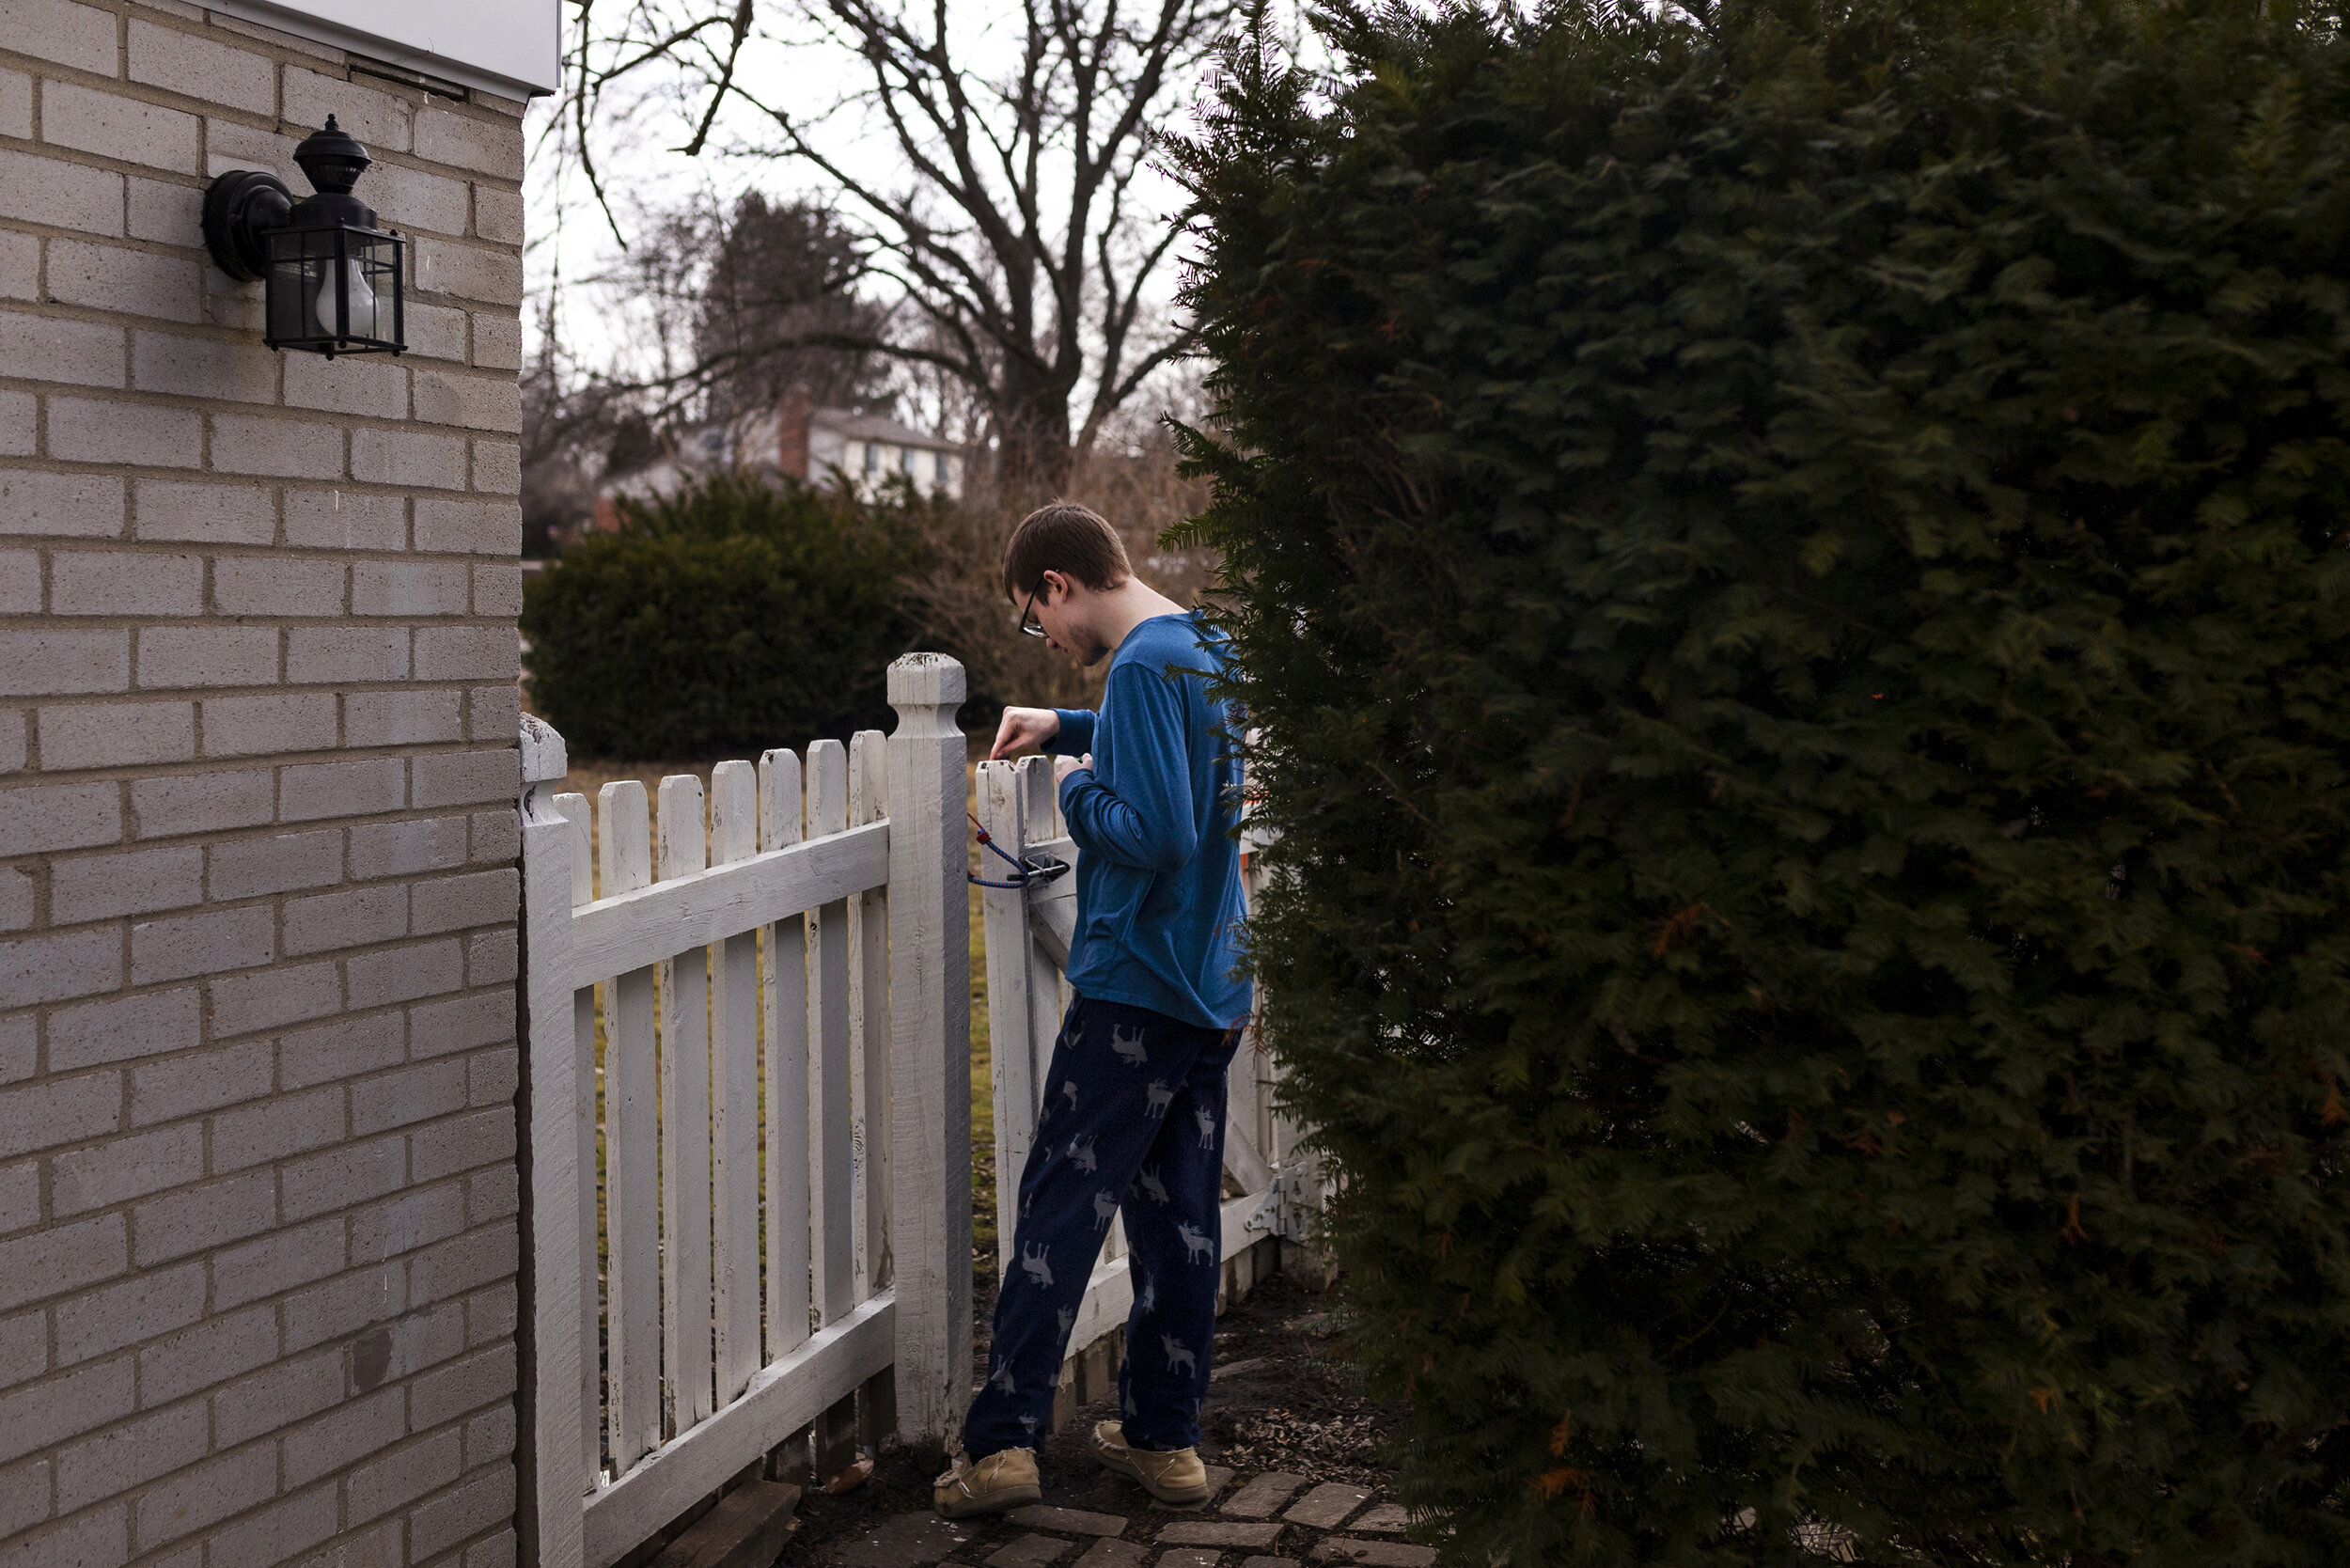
[586, 153]
[1020, 240]
[726, 78]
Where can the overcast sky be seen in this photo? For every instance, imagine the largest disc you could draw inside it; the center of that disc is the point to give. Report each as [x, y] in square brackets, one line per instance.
[637, 145]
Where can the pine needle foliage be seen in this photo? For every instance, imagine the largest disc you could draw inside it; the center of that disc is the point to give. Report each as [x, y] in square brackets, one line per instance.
[738, 614]
[1788, 563]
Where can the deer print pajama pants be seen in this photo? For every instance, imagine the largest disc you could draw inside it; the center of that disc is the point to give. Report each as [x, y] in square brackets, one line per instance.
[1132, 1125]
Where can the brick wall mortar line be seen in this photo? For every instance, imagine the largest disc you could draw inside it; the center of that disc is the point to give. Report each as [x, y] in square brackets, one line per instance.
[59, 153]
[40, 66]
[276, 901]
[208, 1043]
[294, 416]
[137, 244]
[204, 766]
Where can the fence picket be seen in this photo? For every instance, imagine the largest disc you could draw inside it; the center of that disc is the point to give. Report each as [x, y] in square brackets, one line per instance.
[549, 1520]
[1049, 991]
[786, 998]
[869, 802]
[572, 809]
[632, 1153]
[734, 1098]
[1010, 971]
[829, 1092]
[685, 1320]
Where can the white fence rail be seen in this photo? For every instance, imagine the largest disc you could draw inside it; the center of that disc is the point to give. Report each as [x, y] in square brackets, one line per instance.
[1028, 933]
[780, 1109]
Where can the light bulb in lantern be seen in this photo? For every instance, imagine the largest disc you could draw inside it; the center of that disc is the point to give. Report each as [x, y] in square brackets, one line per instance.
[358, 304]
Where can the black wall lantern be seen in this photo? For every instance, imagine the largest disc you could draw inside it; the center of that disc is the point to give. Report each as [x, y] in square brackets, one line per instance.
[333, 278]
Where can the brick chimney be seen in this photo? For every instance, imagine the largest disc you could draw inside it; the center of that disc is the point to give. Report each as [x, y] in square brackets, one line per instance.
[791, 415]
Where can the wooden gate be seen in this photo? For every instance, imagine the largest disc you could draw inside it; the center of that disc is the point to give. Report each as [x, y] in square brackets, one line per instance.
[775, 1086]
[1271, 1188]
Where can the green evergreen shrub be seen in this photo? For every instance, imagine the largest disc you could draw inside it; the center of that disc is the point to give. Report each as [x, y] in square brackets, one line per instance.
[737, 614]
[1790, 567]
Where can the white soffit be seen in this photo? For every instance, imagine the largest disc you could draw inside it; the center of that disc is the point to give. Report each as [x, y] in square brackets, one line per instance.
[510, 47]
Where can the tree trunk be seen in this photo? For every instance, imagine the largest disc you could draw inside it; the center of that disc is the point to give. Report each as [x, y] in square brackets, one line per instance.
[1032, 454]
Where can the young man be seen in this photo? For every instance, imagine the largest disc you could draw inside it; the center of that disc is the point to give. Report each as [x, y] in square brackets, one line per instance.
[1133, 1116]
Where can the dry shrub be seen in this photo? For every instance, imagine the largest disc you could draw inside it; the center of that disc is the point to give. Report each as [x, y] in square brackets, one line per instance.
[957, 601]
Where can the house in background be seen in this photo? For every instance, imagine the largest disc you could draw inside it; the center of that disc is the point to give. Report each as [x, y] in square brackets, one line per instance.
[811, 444]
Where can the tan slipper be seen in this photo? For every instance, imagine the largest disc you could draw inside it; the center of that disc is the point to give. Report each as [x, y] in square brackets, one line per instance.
[1173, 1477]
[988, 1485]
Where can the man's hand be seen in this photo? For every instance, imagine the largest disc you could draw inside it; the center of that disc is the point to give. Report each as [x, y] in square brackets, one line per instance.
[1023, 728]
[1064, 766]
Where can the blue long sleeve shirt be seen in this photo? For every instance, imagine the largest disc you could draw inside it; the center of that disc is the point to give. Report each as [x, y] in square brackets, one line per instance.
[1159, 907]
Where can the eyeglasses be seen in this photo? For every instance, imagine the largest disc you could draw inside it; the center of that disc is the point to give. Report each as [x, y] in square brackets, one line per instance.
[1028, 628]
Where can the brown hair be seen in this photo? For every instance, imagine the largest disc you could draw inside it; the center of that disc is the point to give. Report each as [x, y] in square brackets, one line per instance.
[1064, 537]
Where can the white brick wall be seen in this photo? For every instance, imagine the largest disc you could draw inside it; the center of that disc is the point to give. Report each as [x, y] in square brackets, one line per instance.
[257, 1192]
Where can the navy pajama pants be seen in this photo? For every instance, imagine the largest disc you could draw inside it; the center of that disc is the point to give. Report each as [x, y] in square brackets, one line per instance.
[1131, 1124]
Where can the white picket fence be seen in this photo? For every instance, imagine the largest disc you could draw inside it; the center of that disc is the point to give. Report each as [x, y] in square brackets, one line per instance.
[807, 953]
[1029, 933]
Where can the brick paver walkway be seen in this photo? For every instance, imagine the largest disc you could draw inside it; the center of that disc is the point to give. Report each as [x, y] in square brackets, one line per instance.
[1266, 1521]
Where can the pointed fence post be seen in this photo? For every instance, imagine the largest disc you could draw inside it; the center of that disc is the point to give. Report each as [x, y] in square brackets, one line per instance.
[930, 1030]
[553, 1474]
